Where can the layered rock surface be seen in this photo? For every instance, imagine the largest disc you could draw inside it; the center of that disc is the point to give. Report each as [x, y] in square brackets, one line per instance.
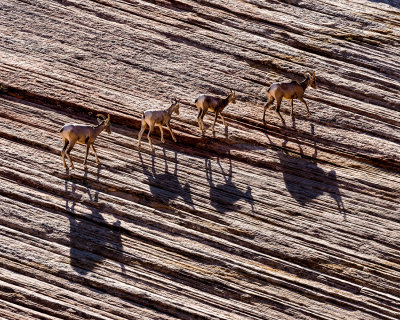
[294, 221]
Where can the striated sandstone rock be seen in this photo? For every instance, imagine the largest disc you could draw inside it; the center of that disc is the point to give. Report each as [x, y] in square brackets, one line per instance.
[257, 222]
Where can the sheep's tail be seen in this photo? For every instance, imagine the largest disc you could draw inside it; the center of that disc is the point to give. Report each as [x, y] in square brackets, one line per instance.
[195, 101]
[62, 129]
[143, 115]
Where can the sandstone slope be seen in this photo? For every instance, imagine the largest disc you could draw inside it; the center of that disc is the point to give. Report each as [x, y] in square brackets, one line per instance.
[294, 221]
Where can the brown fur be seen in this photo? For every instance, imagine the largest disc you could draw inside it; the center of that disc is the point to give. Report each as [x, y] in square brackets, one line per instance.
[289, 91]
[158, 118]
[83, 134]
[214, 104]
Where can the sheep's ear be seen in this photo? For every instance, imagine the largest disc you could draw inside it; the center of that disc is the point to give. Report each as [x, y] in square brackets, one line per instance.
[308, 74]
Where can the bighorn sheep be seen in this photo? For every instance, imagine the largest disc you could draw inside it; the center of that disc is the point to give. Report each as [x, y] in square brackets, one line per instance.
[289, 91]
[83, 134]
[214, 104]
[158, 118]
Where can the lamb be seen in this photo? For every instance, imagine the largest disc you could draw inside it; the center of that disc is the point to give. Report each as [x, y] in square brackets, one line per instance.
[158, 118]
[83, 134]
[289, 91]
[214, 104]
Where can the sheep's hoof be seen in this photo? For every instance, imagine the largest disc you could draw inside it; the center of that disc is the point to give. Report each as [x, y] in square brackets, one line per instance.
[174, 140]
[162, 141]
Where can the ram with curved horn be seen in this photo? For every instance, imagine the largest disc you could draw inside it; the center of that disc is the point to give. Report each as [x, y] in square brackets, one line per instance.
[82, 134]
[289, 91]
[152, 118]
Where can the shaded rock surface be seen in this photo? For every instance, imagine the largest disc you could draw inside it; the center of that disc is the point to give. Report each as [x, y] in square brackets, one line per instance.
[295, 221]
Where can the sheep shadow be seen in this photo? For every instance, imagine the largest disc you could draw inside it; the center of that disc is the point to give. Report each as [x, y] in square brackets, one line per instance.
[305, 181]
[91, 238]
[166, 186]
[223, 197]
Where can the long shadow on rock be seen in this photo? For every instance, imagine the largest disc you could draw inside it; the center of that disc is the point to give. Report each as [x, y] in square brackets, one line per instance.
[312, 183]
[223, 197]
[166, 186]
[306, 181]
[92, 239]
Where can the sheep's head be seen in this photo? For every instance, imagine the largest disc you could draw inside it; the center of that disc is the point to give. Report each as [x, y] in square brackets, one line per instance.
[232, 96]
[175, 105]
[107, 124]
[311, 76]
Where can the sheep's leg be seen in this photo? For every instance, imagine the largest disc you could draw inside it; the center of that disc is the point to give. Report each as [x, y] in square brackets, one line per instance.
[223, 120]
[95, 153]
[269, 103]
[202, 126]
[71, 145]
[305, 103]
[278, 106]
[170, 130]
[200, 117]
[291, 108]
[144, 126]
[66, 142]
[202, 120]
[162, 133]
[87, 152]
[151, 128]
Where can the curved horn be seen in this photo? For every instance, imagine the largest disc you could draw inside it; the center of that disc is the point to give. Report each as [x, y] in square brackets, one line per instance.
[102, 116]
[108, 119]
